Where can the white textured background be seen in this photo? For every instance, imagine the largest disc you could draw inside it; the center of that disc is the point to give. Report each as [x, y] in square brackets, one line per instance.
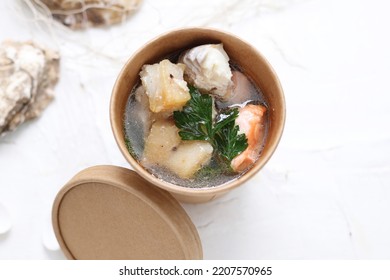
[325, 194]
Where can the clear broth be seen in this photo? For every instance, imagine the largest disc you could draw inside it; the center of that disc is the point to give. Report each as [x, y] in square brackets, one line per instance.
[209, 176]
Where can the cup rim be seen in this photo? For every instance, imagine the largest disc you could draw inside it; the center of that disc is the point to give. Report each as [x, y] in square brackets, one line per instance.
[115, 126]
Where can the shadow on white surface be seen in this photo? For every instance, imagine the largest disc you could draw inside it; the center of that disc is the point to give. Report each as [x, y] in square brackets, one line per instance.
[5, 221]
[3, 237]
[55, 255]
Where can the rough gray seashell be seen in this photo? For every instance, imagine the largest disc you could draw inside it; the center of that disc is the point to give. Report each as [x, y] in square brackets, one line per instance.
[83, 13]
[28, 74]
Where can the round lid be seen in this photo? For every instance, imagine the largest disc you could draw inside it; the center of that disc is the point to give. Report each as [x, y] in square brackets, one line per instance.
[109, 212]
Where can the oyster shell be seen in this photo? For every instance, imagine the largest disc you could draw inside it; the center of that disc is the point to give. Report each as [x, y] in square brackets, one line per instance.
[78, 14]
[208, 69]
[28, 73]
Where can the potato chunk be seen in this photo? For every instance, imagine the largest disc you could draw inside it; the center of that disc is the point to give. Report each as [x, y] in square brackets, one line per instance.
[189, 157]
[164, 85]
[162, 139]
[163, 147]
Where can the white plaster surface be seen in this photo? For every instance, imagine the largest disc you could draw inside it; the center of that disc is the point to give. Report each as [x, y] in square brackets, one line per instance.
[325, 194]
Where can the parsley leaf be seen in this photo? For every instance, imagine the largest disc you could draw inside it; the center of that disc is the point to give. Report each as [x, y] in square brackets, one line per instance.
[195, 122]
[225, 118]
[228, 142]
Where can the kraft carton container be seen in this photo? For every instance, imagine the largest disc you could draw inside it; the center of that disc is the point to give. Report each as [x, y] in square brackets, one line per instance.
[110, 212]
[249, 59]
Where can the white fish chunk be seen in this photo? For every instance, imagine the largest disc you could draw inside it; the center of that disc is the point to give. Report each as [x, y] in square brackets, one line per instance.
[242, 89]
[208, 69]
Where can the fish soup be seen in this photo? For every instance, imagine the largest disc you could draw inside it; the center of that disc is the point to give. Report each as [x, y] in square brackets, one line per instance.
[195, 119]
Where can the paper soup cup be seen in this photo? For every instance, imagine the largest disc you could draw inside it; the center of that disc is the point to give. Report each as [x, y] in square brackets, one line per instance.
[246, 56]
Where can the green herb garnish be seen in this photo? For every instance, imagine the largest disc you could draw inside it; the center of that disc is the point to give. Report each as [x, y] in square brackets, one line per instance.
[130, 148]
[228, 142]
[196, 122]
[213, 170]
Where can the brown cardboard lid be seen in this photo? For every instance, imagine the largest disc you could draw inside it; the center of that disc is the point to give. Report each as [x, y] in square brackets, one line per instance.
[109, 212]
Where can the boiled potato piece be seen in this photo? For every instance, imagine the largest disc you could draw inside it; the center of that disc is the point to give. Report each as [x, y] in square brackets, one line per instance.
[163, 147]
[164, 85]
[162, 139]
[189, 157]
[142, 112]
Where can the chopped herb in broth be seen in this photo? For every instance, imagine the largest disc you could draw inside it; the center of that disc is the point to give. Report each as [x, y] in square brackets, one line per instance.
[129, 147]
[196, 122]
[210, 139]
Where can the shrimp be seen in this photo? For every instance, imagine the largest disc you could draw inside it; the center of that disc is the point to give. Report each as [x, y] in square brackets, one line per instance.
[251, 122]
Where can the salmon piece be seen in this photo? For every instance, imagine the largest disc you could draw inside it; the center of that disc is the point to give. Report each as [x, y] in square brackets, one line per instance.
[251, 122]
